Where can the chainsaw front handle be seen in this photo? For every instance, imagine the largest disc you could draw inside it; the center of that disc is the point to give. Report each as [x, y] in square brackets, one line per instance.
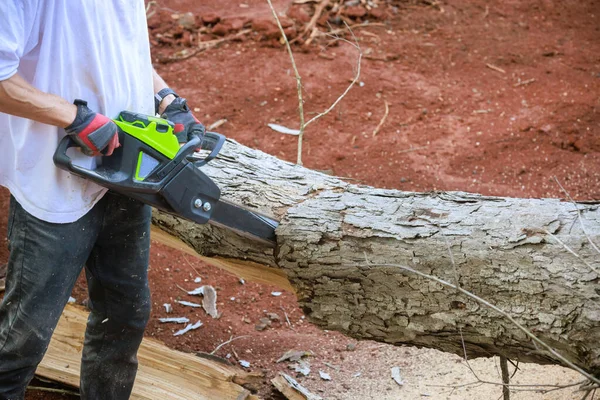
[212, 142]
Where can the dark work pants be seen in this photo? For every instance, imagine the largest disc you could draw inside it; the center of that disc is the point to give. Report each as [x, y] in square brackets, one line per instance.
[112, 240]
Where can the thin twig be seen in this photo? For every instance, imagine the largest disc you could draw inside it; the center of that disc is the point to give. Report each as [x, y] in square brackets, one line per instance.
[498, 69]
[231, 339]
[303, 125]
[412, 149]
[187, 291]
[287, 319]
[203, 46]
[498, 310]
[318, 11]
[385, 115]
[191, 266]
[523, 83]
[590, 266]
[298, 82]
[356, 77]
[578, 214]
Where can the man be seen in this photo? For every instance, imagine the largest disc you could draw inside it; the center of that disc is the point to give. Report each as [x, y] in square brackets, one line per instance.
[53, 52]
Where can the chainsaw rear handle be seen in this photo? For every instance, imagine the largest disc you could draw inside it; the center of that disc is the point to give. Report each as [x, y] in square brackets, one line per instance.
[63, 161]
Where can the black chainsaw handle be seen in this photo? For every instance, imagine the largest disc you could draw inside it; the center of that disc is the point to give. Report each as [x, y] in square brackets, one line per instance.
[62, 160]
[212, 142]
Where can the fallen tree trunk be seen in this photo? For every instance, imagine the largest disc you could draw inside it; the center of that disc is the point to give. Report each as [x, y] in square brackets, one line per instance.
[341, 247]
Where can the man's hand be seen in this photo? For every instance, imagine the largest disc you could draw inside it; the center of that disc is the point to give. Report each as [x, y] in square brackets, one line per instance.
[93, 132]
[186, 125]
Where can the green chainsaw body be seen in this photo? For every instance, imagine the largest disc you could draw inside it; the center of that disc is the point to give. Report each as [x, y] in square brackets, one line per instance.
[150, 166]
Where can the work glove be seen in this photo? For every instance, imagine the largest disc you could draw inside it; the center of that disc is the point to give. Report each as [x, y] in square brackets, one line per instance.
[186, 125]
[95, 133]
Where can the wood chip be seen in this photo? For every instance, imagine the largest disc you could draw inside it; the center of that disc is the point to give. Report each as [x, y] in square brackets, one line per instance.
[176, 320]
[209, 302]
[188, 328]
[283, 129]
[324, 375]
[197, 292]
[188, 303]
[396, 376]
[291, 389]
[301, 367]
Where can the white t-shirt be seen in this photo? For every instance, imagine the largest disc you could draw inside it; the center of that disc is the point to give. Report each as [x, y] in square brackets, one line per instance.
[95, 50]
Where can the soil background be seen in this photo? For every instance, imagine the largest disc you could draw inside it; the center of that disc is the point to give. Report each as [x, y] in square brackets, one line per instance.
[497, 98]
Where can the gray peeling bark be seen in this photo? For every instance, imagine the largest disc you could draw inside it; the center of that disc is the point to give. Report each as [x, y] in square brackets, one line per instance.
[341, 246]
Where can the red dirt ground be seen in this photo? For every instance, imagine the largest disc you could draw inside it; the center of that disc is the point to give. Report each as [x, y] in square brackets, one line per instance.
[494, 98]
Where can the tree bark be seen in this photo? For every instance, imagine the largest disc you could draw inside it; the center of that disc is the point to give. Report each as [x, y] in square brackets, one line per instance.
[341, 246]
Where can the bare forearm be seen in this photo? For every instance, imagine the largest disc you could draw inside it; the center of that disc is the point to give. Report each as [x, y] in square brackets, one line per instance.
[160, 84]
[18, 97]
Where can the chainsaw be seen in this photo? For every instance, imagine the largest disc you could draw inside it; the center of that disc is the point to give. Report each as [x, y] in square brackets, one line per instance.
[150, 166]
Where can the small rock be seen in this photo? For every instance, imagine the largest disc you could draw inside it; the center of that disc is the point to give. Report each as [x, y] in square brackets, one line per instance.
[237, 24]
[260, 326]
[245, 363]
[293, 355]
[300, 13]
[267, 27]
[355, 12]
[210, 18]
[198, 279]
[378, 13]
[187, 21]
[273, 317]
[71, 299]
[222, 28]
[350, 347]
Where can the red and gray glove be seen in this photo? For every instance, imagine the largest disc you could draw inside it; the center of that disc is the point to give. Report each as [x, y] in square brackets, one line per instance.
[95, 133]
[186, 125]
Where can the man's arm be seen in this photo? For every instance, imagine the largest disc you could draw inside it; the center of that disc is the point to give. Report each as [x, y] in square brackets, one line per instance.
[93, 132]
[159, 84]
[18, 97]
[176, 110]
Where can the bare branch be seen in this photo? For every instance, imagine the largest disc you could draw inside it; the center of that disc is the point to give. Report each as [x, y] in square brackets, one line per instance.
[535, 339]
[231, 339]
[298, 82]
[590, 266]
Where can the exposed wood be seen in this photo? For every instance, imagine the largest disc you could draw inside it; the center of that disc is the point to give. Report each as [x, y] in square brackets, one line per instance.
[339, 246]
[291, 389]
[250, 271]
[164, 374]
